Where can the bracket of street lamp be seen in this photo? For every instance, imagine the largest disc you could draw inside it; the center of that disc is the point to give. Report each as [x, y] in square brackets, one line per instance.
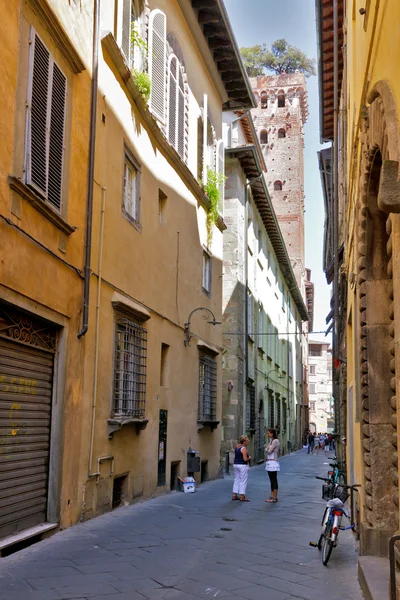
[188, 333]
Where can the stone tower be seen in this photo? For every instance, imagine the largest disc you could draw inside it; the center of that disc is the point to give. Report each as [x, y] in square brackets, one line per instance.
[279, 119]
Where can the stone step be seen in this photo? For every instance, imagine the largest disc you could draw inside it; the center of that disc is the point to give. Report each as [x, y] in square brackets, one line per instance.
[373, 577]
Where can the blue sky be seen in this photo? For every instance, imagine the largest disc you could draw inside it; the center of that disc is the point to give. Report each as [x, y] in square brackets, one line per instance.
[258, 21]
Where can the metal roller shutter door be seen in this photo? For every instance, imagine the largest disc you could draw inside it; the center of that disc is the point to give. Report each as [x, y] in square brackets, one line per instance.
[26, 375]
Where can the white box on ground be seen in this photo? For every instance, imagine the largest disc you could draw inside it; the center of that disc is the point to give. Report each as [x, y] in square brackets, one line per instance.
[189, 485]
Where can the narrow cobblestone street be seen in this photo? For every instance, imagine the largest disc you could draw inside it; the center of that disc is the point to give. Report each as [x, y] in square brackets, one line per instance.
[189, 546]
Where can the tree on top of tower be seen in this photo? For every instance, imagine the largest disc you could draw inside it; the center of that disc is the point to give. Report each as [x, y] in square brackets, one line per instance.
[281, 58]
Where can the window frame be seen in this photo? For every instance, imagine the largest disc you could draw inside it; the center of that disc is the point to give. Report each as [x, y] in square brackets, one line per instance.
[207, 366]
[207, 260]
[312, 370]
[134, 220]
[131, 325]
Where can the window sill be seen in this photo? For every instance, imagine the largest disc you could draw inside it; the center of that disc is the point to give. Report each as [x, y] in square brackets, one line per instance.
[116, 423]
[206, 292]
[152, 124]
[41, 205]
[201, 423]
[136, 224]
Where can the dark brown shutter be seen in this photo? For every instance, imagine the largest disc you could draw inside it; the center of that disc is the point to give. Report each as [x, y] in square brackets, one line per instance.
[25, 416]
[37, 152]
[57, 123]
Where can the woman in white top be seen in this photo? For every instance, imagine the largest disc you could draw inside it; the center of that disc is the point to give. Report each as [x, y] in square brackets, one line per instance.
[272, 463]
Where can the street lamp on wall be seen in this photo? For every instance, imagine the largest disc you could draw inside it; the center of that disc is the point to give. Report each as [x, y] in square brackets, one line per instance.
[188, 333]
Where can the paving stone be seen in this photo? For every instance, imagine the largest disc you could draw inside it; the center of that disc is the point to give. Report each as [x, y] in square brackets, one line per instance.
[173, 548]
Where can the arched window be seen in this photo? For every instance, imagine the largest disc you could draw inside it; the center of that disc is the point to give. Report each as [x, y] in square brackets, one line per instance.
[281, 100]
[281, 133]
[264, 137]
[277, 185]
[176, 106]
[264, 100]
[157, 61]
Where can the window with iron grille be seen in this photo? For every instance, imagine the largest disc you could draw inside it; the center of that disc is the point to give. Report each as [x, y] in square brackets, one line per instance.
[284, 415]
[207, 388]
[312, 369]
[278, 410]
[271, 411]
[251, 408]
[131, 192]
[312, 406]
[312, 388]
[45, 123]
[129, 397]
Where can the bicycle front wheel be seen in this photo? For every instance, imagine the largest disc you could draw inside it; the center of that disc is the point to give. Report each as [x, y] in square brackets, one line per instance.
[327, 545]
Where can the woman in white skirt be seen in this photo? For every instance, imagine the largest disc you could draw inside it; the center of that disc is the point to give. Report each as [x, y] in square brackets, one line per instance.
[272, 463]
[241, 469]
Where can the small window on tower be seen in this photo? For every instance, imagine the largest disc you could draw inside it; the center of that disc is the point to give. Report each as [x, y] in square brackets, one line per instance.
[281, 100]
[263, 137]
[281, 133]
[277, 185]
[264, 100]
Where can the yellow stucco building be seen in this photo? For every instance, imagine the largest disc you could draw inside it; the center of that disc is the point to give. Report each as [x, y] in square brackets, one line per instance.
[362, 194]
[109, 375]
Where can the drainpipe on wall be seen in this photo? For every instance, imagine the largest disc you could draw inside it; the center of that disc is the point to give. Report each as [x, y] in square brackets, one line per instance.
[246, 304]
[335, 345]
[92, 145]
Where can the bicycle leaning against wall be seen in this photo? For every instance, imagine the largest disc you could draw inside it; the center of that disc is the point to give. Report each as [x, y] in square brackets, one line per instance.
[336, 496]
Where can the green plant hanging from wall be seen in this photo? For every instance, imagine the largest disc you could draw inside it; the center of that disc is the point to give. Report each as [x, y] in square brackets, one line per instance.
[213, 190]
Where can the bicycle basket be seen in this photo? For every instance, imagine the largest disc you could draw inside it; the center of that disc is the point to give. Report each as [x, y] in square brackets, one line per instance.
[341, 493]
[327, 491]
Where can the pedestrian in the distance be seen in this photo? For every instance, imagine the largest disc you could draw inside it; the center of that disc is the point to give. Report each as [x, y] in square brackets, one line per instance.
[316, 444]
[241, 469]
[326, 444]
[272, 463]
[310, 443]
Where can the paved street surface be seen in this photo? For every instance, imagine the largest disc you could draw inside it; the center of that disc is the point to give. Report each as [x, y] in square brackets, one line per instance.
[190, 546]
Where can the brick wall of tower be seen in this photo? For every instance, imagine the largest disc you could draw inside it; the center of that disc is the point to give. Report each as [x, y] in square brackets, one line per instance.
[284, 155]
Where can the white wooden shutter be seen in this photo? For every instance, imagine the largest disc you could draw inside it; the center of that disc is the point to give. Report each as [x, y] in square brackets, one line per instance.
[181, 114]
[38, 100]
[172, 101]
[47, 94]
[157, 62]
[126, 29]
[221, 168]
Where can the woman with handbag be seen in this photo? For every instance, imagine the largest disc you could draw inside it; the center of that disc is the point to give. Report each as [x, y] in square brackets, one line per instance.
[272, 463]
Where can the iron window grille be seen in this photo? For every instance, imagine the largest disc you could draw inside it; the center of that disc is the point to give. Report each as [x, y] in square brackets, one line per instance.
[271, 411]
[284, 423]
[278, 411]
[129, 398]
[251, 408]
[207, 388]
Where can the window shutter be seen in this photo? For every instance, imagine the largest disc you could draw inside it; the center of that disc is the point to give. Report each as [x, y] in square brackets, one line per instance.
[200, 148]
[172, 89]
[56, 145]
[126, 28]
[37, 149]
[45, 124]
[181, 115]
[157, 62]
[221, 168]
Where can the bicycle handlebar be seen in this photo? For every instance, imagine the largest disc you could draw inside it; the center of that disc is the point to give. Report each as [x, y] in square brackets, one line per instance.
[349, 487]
